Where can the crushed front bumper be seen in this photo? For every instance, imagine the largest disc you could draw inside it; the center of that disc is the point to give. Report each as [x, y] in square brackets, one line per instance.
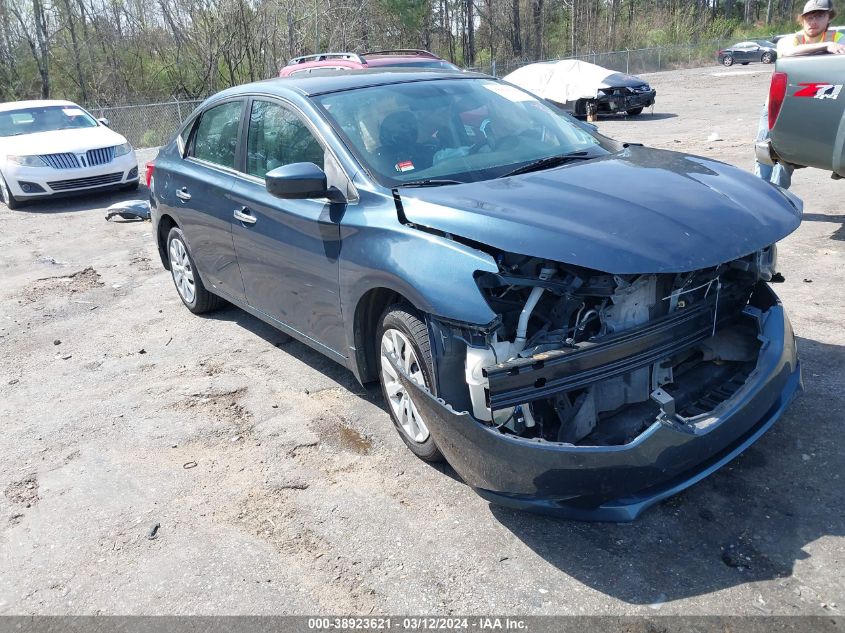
[617, 483]
[623, 102]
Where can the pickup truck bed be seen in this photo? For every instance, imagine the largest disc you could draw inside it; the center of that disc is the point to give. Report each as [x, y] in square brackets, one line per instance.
[809, 130]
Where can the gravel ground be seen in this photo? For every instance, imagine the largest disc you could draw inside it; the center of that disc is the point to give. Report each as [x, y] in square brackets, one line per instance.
[279, 486]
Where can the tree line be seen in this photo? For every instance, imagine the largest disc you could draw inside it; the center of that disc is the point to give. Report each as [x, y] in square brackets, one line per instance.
[109, 52]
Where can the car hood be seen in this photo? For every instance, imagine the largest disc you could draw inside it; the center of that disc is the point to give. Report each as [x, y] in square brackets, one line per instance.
[61, 141]
[621, 80]
[638, 211]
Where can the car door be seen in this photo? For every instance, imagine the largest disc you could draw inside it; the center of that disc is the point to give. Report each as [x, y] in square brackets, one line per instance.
[287, 249]
[199, 189]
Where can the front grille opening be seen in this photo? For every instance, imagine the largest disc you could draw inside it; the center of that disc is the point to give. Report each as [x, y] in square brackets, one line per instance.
[615, 411]
[91, 158]
[83, 183]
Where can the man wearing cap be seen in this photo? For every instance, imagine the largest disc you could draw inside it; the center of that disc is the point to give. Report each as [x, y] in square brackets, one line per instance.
[813, 39]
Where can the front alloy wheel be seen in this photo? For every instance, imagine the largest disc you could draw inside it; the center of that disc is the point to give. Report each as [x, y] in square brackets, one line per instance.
[6, 196]
[403, 336]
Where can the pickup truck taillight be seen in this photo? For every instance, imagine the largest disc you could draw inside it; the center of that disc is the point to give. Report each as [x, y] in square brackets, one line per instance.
[148, 172]
[777, 91]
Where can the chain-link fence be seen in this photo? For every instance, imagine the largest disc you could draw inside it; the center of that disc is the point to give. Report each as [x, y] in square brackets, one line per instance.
[633, 61]
[149, 124]
[152, 124]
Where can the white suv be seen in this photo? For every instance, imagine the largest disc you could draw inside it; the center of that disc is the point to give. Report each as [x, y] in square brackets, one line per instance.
[51, 147]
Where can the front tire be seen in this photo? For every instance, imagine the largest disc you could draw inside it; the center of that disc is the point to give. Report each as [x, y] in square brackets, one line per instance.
[728, 60]
[188, 284]
[404, 335]
[6, 196]
[635, 111]
[767, 58]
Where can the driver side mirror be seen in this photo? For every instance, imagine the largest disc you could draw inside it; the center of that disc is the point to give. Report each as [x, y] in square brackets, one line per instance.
[297, 181]
[104, 121]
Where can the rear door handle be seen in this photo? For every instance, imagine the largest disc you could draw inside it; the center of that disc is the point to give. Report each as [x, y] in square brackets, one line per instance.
[245, 216]
[183, 194]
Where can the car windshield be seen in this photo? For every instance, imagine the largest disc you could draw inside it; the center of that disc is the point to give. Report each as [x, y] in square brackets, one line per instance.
[44, 119]
[452, 130]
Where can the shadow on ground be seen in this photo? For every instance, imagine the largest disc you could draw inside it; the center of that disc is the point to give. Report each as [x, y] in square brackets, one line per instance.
[838, 234]
[336, 372]
[748, 522]
[92, 202]
[644, 117]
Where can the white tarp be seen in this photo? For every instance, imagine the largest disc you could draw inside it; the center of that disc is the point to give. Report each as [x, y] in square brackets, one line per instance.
[566, 80]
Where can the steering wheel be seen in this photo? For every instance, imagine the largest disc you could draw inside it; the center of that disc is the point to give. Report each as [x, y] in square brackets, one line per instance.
[491, 141]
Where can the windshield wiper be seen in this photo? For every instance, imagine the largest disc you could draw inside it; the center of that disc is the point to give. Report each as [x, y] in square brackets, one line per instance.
[549, 161]
[430, 182]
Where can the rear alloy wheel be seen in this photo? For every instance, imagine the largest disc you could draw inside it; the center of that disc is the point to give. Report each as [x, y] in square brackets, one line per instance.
[188, 284]
[767, 58]
[403, 336]
[6, 196]
[728, 60]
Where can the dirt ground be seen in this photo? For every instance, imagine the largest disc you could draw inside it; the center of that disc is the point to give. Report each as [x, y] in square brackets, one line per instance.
[278, 485]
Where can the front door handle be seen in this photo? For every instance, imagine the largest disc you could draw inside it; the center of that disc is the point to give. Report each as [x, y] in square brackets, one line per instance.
[183, 194]
[245, 216]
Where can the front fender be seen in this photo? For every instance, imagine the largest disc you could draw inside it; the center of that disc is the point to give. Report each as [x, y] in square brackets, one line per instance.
[434, 273]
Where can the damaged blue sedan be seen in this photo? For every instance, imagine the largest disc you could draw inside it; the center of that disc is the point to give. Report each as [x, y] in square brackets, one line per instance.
[579, 326]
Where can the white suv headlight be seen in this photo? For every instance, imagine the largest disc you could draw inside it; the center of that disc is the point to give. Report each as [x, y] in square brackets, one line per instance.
[27, 161]
[120, 150]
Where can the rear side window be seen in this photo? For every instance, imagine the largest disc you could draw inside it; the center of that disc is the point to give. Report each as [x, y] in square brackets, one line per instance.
[217, 134]
[278, 137]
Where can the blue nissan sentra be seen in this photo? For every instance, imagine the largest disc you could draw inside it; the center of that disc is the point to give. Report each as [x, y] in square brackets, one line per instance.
[580, 327]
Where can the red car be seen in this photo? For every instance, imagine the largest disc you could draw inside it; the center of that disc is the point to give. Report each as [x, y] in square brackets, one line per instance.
[400, 58]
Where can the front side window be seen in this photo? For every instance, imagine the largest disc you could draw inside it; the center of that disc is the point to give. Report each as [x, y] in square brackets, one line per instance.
[217, 134]
[451, 129]
[44, 119]
[278, 137]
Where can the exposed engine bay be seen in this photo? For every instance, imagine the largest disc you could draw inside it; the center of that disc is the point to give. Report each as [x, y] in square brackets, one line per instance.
[552, 313]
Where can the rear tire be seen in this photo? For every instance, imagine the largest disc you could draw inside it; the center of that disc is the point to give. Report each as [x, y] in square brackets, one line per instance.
[188, 284]
[6, 196]
[728, 60]
[403, 334]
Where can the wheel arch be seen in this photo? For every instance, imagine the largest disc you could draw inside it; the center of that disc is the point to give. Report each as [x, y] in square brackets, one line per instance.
[165, 223]
[368, 311]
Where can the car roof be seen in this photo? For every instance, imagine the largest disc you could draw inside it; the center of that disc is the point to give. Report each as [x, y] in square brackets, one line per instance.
[371, 59]
[34, 103]
[338, 81]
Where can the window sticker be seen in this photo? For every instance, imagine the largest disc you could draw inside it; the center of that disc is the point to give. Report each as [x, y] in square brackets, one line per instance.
[72, 112]
[509, 92]
[403, 166]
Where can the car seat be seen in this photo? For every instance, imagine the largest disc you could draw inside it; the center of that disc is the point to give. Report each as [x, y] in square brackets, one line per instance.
[398, 135]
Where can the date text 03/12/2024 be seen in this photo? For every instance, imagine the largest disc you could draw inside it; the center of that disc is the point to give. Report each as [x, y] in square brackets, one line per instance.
[480, 623]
